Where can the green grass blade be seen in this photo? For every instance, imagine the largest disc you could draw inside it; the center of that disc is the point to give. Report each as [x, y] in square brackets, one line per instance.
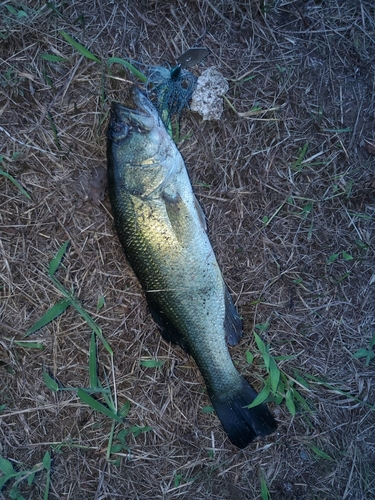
[337, 130]
[260, 344]
[46, 489]
[339, 391]
[79, 48]
[264, 489]
[49, 316]
[57, 12]
[16, 183]
[135, 72]
[267, 360]
[301, 380]
[52, 58]
[55, 262]
[75, 303]
[27, 344]
[47, 465]
[95, 405]
[320, 453]
[302, 152]
[301, 401]
[290, 403]
[110, 441]
[50, 383]
[93, 365]
[54, 131]
[151, 363]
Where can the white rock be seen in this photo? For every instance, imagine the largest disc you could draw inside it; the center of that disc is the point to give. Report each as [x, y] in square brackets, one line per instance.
[207, 100]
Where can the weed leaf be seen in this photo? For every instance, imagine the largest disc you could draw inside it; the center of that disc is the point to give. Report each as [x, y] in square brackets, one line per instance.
[55, 262]
[260, 344]
[101, 302]
[76, 304]
[135, 72]
[79, 48]
[95, 405]
[208, 409]
[52, 58]
[124, 410]
[30, 479]
[16, 183]
[347, 256]
[332, 258]
[93, 365]
[50, 315]
[135, 430]
[50, 382]
[262, 396]
[4, 479]
[116, 448]
[320, 453]
[151, 363]
[274, 374]
[249, 357]
[369, 354]
[47, 461]
[27, 344]
[361, 353]
[6, 467]
[290, 403]
[264, 489]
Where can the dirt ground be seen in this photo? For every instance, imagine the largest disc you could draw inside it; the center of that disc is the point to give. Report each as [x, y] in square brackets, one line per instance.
[286, 179]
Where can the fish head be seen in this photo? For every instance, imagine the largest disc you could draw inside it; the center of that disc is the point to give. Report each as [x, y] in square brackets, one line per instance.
[140, 152]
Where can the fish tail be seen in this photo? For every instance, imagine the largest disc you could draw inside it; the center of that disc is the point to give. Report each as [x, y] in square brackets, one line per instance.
[243, 424]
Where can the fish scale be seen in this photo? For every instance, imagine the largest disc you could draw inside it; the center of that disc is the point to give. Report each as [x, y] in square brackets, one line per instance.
[162, 231]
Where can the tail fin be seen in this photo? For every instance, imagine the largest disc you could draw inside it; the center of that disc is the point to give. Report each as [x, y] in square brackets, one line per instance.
[243, 424]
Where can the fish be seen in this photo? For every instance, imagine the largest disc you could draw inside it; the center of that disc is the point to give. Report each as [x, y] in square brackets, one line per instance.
[163, 233]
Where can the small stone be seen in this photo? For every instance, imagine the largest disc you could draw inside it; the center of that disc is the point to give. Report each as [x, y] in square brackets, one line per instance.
[207, 98]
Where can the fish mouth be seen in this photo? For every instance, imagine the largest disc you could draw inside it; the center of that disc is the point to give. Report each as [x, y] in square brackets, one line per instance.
[141, 116]
[118, 127]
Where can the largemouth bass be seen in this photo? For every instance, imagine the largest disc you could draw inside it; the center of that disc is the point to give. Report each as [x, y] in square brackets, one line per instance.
[161, 228]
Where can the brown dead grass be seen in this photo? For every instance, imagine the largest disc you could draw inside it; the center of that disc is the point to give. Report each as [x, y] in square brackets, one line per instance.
[313, 69]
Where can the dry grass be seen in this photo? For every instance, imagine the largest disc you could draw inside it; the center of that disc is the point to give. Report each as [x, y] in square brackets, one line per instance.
[312, 65]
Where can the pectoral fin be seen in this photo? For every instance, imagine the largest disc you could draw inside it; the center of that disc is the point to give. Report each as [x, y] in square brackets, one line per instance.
[178, 216]
[201, 215]
[167, 328]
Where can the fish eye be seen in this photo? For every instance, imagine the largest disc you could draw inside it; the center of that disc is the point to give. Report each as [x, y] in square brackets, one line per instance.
[118, 131]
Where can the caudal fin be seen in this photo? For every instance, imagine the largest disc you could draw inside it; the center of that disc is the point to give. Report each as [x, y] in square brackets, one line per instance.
[243, 424]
